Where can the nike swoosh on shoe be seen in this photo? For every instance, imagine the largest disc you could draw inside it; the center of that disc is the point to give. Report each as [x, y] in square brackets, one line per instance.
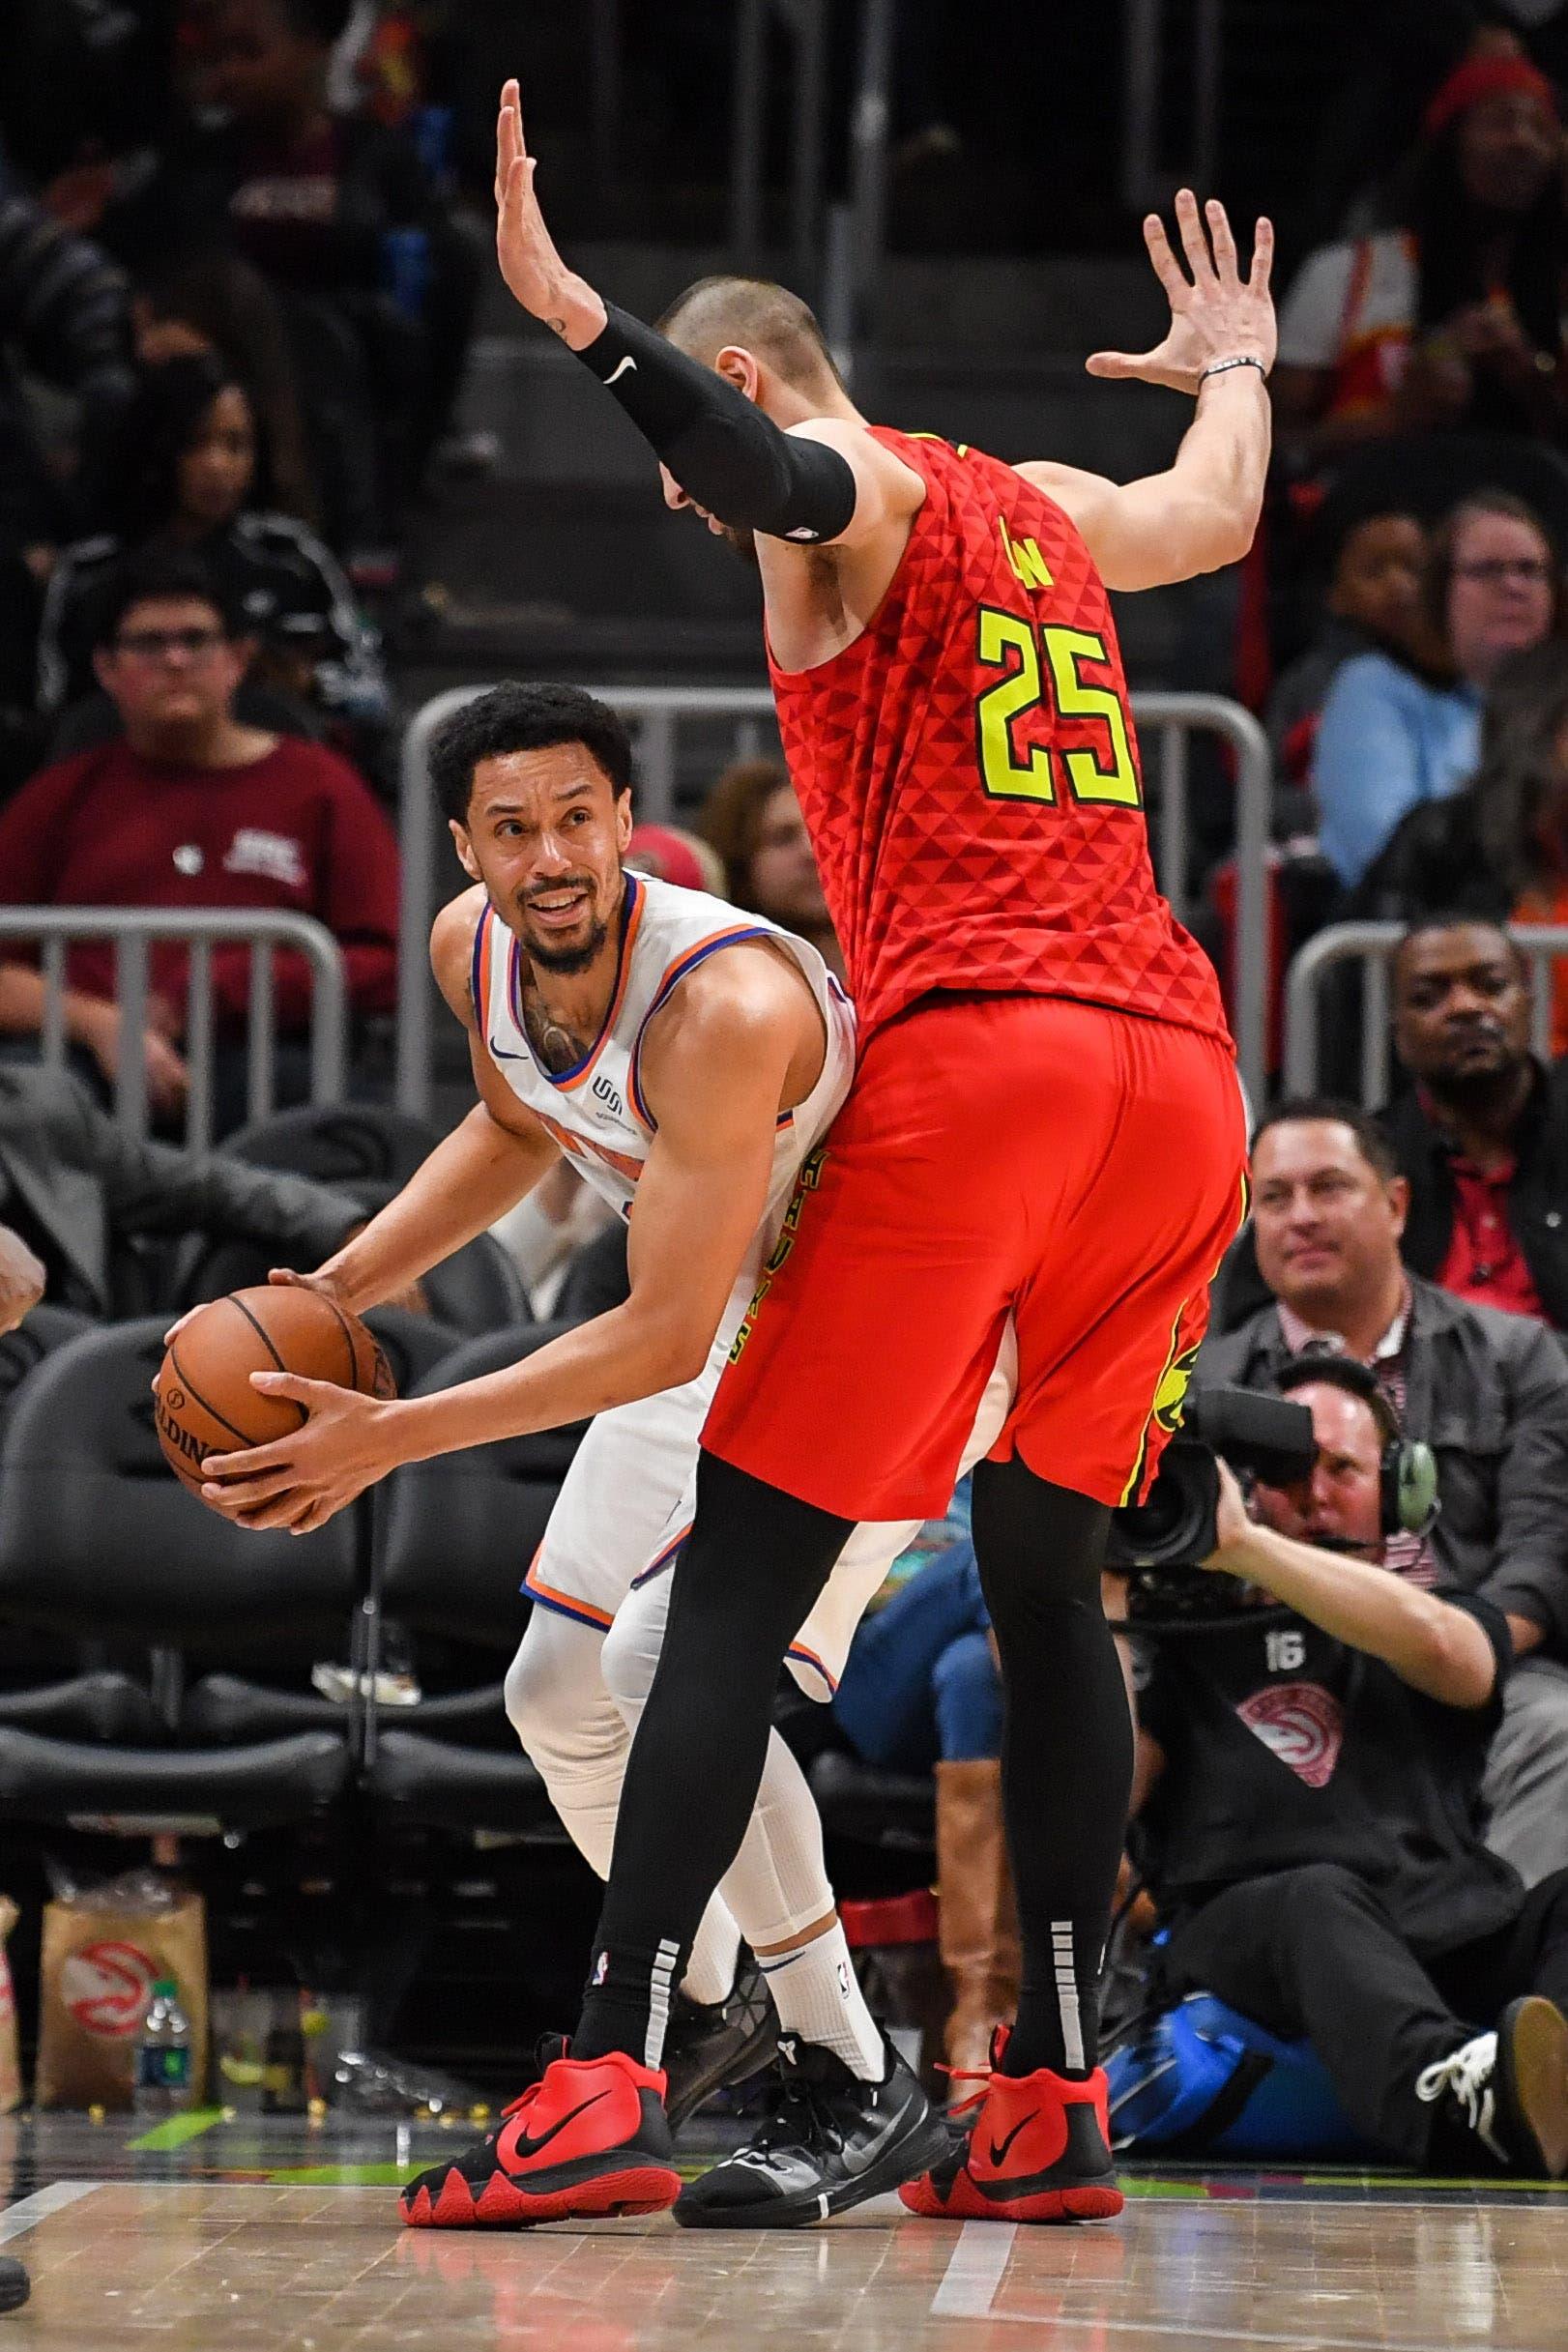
[522, 2149]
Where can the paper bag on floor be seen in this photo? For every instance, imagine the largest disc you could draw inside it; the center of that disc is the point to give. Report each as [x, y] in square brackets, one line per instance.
[11, 2073]
[105, 1948]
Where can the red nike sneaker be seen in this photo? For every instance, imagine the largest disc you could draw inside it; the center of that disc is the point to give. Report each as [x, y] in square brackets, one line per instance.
[589, 2139]
[1037, 2150]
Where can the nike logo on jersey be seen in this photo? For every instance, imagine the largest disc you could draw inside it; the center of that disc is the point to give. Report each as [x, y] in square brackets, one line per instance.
[998, 2151]
[516, 2147]
[622, 367]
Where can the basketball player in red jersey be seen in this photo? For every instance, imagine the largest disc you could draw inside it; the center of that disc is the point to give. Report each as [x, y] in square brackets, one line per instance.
[1045, 1124]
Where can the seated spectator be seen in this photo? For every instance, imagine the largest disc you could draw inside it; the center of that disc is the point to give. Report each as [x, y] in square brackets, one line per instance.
[753, 818]
[1394, 733]
[921, 1693]
[338, 213]
[1370, 606]
[192, 808]
[80, 1201]
[1487, 1391]
[1306, 1797]
[64, 319]
[549, 1228]
[196, 478]
[1482, 1139]
[1451, 318]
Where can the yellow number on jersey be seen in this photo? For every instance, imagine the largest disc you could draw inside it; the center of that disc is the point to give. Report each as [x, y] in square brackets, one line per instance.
[1086, 778]
[1007, 642]
[1003, 635]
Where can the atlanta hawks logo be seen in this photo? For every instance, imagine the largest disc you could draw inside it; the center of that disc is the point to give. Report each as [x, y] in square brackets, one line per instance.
[1302, 1725]
[1171, 1397]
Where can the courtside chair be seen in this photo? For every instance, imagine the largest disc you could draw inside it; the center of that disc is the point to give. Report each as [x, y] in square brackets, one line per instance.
[97, 1541]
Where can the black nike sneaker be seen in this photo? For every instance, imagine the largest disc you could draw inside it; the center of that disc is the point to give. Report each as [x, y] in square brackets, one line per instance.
[714, 2046]
[1506, 2091]
[834, 2142]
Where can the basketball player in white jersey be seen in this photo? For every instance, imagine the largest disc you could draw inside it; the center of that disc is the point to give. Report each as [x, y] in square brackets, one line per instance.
[687, 1059]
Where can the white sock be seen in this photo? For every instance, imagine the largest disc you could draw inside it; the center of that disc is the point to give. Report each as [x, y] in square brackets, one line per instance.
[818, 1996]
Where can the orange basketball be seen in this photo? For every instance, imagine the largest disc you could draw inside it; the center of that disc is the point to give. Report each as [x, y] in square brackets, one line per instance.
[205, 1401]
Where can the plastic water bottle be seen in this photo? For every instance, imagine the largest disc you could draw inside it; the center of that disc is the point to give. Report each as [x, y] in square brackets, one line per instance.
[163, 2084]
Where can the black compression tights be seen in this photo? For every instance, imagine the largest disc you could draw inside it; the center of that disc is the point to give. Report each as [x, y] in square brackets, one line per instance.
[752, 1567]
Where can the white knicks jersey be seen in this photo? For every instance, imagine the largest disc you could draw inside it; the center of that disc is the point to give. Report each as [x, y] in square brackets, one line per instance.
[595, 1111]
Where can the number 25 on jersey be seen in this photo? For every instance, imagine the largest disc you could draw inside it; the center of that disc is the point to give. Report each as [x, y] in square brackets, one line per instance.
[1107, 773]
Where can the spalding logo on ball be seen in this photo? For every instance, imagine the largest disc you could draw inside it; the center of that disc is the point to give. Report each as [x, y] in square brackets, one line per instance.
[204, 1400]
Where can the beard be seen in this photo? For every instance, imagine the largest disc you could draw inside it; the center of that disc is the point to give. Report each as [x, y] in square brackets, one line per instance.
[565, 960]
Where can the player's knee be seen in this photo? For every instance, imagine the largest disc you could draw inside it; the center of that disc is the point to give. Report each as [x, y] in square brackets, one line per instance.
[628, 1659]
[532, 1693]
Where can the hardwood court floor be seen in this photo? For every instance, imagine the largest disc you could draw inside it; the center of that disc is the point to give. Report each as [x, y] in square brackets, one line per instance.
[272, 2238]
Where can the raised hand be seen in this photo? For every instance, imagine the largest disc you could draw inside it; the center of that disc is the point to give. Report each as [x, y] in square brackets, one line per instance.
[529, 263]
[1217, 315]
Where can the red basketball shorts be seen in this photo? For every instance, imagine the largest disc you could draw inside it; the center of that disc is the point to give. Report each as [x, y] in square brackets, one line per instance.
[1076, 1168]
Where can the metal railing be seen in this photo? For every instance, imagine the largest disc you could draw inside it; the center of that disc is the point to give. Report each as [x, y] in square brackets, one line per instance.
[1373, 945]
[1147, 178]
[656, 712]
[806, 22]
[133, 931]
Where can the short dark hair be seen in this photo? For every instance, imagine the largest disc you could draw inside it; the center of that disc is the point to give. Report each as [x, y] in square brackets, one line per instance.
[1371, 1140]
[163, 579]
[1449, 919]
[1345, 1372]
[524, 718]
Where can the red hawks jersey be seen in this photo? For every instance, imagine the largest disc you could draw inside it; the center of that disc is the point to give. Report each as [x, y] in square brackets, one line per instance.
[969, 771]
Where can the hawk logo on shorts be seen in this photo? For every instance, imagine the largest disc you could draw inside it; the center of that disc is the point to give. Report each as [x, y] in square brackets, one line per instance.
[1303, 1726]
[1170, 1396]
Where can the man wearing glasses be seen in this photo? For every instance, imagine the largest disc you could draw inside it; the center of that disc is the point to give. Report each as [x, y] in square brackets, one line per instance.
[190, 808]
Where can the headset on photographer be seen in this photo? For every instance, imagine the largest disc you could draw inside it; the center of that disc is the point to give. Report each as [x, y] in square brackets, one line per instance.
[1408, 1473]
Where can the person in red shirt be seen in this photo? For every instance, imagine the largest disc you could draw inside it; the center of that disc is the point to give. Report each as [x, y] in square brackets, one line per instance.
[1045, 1131]
[1483, 1136]
[191, 808]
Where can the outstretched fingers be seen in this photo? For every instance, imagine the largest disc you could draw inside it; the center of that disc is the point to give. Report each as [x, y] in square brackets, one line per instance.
[1194, 244]
[1167, 269]
[1226, 267]
[1263, 254]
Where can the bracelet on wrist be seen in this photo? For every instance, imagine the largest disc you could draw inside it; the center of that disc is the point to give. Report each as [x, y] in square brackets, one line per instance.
[1219, 368]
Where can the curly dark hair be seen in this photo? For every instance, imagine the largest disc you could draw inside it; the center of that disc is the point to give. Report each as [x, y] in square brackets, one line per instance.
[524, 718]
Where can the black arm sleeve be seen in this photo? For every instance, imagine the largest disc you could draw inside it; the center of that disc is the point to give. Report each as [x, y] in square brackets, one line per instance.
[727, 456]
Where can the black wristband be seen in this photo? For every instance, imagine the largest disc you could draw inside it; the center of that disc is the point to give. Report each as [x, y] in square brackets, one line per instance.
[729, 458]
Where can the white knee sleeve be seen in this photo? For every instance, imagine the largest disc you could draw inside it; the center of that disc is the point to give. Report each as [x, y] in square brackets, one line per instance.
[560, 1709]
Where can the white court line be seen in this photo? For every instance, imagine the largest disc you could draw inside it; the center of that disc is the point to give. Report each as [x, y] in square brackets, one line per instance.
[974, 2270]
[15, 2221]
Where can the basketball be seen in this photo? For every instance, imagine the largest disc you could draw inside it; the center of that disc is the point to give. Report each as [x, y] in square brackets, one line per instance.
[205, 1402]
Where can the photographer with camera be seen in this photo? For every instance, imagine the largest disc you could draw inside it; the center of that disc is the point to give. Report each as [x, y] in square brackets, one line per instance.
[1307, 1802]
[1486, 1391]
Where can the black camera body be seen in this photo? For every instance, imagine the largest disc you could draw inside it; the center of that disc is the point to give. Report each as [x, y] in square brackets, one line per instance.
[1266, 1437]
